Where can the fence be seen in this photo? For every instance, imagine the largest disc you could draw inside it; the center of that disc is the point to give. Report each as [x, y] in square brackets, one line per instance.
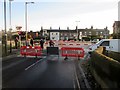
[65, 51]
[72, 52]
[31, 51]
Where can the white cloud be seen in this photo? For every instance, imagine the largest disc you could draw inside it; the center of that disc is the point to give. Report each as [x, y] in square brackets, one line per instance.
[98, 13]
[97, 19]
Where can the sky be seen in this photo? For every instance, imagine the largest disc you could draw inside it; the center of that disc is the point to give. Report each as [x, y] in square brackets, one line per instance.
[62, 13]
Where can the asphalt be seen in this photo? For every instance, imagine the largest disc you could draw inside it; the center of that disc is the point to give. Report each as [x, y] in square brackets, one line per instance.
[42, 72]
[39, 73]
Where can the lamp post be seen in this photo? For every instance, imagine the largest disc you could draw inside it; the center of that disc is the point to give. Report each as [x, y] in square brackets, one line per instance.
[77, 29]
[5, 27]
[10, 28]
[26, 3]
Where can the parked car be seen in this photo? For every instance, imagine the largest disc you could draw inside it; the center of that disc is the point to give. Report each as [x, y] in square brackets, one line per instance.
[110, 44]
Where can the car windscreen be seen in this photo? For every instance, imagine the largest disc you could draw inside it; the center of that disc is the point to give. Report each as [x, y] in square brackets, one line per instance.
[98, 42]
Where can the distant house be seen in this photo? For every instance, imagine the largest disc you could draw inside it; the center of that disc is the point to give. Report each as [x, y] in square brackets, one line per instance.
[57, 34]
[69, 34]
[54, 35]
[102, 33]
[116, 27]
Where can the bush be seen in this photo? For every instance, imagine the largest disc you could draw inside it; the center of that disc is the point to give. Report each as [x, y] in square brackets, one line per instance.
[86, 38]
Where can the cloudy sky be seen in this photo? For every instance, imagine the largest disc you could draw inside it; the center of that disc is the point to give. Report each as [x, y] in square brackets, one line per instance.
[63, 13]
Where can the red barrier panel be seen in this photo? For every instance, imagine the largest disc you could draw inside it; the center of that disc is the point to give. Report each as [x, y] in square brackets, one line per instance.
[70, 44]
[77, 44]
[72, 52]
[63, 44]
[30, 51]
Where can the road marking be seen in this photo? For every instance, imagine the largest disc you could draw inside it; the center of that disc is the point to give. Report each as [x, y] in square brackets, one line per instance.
[74, 83]
[35, 63]
[76, 78]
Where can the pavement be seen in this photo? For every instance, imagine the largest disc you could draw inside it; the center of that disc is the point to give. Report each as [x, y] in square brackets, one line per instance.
[13, 54]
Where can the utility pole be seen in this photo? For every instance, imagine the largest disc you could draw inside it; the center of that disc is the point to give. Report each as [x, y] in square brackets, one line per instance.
[26, 3]
[10, 28]
[5, 27]
[77, 30]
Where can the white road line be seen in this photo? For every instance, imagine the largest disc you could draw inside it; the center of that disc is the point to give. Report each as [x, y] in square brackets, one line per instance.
[35, 63]
[77, 80]
[74, 77]
[74, 84]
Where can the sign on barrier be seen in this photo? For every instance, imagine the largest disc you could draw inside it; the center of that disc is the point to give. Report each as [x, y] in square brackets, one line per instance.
[52, 51]
[30, 51]
[72, 52]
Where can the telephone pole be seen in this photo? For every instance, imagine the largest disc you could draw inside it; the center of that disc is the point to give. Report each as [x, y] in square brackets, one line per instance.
[5, 27]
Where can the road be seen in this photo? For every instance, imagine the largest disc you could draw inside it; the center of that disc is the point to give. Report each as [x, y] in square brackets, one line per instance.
[43, 72]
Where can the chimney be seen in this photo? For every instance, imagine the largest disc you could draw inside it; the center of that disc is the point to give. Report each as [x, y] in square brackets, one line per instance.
[41, 27]
[76, 27]
[67, 28]
[91, 27]
[50, 28]
[59, 28]
[106, 28]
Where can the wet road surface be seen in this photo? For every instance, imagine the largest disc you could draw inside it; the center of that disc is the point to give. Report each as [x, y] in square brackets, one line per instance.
[43, 72]
[39, 73]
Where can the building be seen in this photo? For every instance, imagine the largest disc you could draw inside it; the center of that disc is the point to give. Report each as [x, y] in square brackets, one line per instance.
[119, 11]
[100, 33]
[116, 27]
[57, 34]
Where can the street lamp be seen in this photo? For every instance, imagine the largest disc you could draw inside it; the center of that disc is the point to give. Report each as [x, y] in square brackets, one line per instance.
[10, 28]
[5, 27]
[77, 29]
[26, 17]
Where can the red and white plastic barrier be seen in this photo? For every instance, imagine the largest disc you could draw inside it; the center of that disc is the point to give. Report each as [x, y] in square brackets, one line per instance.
[31, 51]
[72, 52]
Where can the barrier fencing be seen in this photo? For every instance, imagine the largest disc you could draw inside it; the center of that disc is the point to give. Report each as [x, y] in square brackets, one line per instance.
[68, 43]
[65, 51]
[72, 52]
[31, 51]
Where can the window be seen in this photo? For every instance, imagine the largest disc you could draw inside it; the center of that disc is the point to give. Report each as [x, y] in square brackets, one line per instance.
[96, 33]
[53, 37]
[89, 33]
[105, 43]
[80, 33]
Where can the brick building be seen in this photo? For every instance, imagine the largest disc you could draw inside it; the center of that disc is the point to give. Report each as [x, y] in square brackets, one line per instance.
[58, 34]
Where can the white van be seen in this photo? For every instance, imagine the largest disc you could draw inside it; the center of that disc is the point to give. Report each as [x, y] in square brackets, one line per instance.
[110, 44]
